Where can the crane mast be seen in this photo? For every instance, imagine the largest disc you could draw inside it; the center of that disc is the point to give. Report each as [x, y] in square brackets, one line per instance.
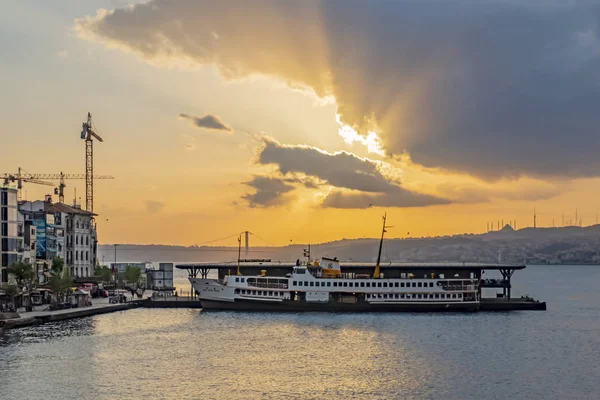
[87, 134]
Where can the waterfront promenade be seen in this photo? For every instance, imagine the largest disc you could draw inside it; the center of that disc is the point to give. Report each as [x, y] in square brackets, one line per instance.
[41, 314]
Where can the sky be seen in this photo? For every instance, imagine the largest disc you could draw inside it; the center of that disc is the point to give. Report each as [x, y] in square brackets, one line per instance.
[305, 121]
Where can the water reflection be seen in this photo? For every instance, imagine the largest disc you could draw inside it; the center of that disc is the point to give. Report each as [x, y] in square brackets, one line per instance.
[188, 354]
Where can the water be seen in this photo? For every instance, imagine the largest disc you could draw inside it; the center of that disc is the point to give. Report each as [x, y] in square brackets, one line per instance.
[188, 354]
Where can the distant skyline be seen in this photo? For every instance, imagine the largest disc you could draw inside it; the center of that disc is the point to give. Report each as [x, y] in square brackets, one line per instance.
[307, 120]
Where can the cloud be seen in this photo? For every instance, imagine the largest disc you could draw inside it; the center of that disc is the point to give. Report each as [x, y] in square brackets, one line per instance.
[492, 88]
[363, 177]
[153, 206]
[341, 169]
[269, 191]
[400, 198]
[209, 121]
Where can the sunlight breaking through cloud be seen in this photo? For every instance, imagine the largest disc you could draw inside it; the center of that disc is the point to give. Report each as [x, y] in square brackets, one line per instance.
[371, 140]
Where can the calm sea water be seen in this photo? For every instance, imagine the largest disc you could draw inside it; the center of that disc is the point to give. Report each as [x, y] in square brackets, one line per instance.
[188, 354]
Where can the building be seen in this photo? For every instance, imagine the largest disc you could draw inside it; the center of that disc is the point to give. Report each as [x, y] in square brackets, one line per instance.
[161, 278]
[62, 231]
[11, 239]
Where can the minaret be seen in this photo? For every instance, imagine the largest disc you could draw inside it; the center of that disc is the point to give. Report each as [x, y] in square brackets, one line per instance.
[576, 219]
[534, 218]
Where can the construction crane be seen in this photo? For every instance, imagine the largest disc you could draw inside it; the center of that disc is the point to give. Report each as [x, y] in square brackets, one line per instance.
[87, 134]
[35, 178]
[20, 177]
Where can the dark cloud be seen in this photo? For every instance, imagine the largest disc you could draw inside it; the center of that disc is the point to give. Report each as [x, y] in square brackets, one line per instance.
[153, 206]
[493, 88]
[400, 198]
[269, 191]
[209, 121]
[343, 170]
[340, 169]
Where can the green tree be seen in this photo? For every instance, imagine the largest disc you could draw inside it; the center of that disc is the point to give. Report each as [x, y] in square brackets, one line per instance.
[11, 291]
[58, 264]
[61, 285]
[23, 273]
[132, 274]
[104, 272]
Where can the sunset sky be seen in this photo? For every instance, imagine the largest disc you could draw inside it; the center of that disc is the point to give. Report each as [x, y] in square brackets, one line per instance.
[307, 120]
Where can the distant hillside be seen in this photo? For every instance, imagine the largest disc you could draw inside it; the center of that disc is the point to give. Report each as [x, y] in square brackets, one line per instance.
[568, 245]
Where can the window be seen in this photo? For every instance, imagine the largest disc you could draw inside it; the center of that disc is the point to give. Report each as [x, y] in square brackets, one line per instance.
[4, 199]
[414, 284]
[270, 293]
[87, 240]
[368, 284]
[459, 295]
[378, 284]
[76, 256]
[420, 296]
[312, 284]
[419, 284]
[294, 283]
[345, 284]
[4, 229]
[4, 214]
[430, 284]
[385, 296]
[396, 284]
[414, 296]
[237, 279]
[384, 284]
[334, 284]
[76, 239]
[328, 284]
[362, 284]
[453, 295]
[300, 271]
[242, 279]
[305, 283]
[437, 296]
[236, 291]
[401, 284]
[87, 256]
[77, 224]
[254, 292]
[396, 296]
[431, 296]
[350, 284]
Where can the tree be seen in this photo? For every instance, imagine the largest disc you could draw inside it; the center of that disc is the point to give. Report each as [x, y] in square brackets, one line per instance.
[23, 273]
[104, 272]
[58, 264]
[11, 291]
[132, 274]
[61, 285]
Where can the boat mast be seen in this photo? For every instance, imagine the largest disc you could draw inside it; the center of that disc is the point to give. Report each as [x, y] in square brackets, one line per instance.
[377, 272]
[239, 254]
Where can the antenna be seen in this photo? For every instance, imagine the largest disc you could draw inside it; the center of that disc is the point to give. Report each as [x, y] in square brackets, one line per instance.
[239, 254]
[377, 272]
[534, 218]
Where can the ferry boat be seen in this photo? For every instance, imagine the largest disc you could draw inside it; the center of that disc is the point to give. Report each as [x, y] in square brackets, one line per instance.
[326, 285]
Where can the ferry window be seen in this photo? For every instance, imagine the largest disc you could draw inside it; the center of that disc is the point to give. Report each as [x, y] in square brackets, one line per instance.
[334, 284]
[368, 284]
[254, 292]
[312, 284]
[414, 296]
[396, 284]
[378, 284]
[420, 296]
[362, 284]
[351, 284]
[345, 284]
[401, 284]
[414, 284]
[385, 296]
[401, 296]
[430, 284]
[459, 295]
[431, 296]
[243, 280]
[270, 293]
[437, 296]
[328, 284]
[419, 284]
[384, 284]
[300, 271]
[454, 295]
[305, 283]
[236, 291]
[237, 279]
[294, 283]
[396, 296]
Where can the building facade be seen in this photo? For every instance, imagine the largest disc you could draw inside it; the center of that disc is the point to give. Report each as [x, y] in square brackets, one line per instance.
[62, 231]
[11, 238]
